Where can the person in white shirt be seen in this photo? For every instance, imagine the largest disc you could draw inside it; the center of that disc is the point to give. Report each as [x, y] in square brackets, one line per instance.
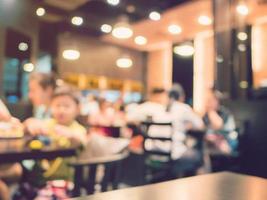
[183, 115]
[184, 119]
[155, 110]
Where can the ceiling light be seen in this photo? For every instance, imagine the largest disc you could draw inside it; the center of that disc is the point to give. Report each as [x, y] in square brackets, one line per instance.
[184, 50]
[106, 28]
[154, 15]
[28, 67]
[23, 46]
[242, 47]
[124, 62]
[242, 9]
[243, 84]
[242, 36]
[77, 21]
[40, 11]
[219, 59]
[113, 2]
[140, 40]
[130, 8]
[204, 20]
[122, 30]
[71, 54]
[174, 29]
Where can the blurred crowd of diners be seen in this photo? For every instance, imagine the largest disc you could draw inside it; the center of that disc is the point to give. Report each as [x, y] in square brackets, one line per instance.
[59, 113]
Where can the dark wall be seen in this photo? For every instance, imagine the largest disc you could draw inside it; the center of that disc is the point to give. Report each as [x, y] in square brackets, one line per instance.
[18, 16]
[236, 67]
[254, 140]
[183, 74]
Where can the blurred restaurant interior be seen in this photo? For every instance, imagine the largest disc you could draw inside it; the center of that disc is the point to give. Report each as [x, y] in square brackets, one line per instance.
[99, 95]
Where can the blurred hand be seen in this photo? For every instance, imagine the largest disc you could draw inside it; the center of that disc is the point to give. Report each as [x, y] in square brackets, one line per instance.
[15, 122]
[35, 127]
[5, 116]
[63, 131]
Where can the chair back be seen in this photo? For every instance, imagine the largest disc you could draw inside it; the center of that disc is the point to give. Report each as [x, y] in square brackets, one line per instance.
[157, 135]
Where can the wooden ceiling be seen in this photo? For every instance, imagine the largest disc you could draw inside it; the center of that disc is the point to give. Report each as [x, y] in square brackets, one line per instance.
[68, 5]
[185, 15]
[98, 12]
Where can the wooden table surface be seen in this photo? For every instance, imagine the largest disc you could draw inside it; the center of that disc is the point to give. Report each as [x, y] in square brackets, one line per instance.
[218, 186]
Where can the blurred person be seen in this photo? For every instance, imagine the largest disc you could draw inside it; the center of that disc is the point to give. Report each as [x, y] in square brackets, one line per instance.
[179, 89]
[61, 128]
[183, 115]
[90, 106]
[41, 88]
[120, 117]
[153, 109]
[220, 124]
[64, 110]
[105, 115]
[107, 121]
[9, 173]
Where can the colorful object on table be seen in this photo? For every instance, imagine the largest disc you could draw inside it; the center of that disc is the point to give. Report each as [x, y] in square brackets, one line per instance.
[44, 139]
[36, 145]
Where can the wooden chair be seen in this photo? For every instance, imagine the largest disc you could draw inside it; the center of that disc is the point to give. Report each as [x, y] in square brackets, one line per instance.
[161, 170]
[157, 163]
[112, 165]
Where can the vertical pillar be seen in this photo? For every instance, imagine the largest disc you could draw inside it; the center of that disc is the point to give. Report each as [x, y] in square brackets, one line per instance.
[159, 67]
[203, 68]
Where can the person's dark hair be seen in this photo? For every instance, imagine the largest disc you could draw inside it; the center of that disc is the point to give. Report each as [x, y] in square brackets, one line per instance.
[65, 91]
[45, 80]
[176, 92]
[158, 90]
[218, 95]
[174, 95]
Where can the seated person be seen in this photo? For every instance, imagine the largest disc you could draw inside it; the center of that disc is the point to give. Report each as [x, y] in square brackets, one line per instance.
[155, 110]
[106, 118]
[184, 116]
[151, 109]
[61, 128]
[220, 124]
[9, 173]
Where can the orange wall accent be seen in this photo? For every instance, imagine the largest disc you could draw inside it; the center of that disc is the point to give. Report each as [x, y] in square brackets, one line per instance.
[203, 68]
[159, 67]
[259, 58]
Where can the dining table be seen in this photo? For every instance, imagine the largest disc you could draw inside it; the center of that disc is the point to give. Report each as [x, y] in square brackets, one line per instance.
[217, 186]
[18, 149]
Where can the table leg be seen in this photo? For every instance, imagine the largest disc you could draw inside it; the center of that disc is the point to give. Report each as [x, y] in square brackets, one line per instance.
[107, 177]
[116, 175]
[77, 181]
[90, 187]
